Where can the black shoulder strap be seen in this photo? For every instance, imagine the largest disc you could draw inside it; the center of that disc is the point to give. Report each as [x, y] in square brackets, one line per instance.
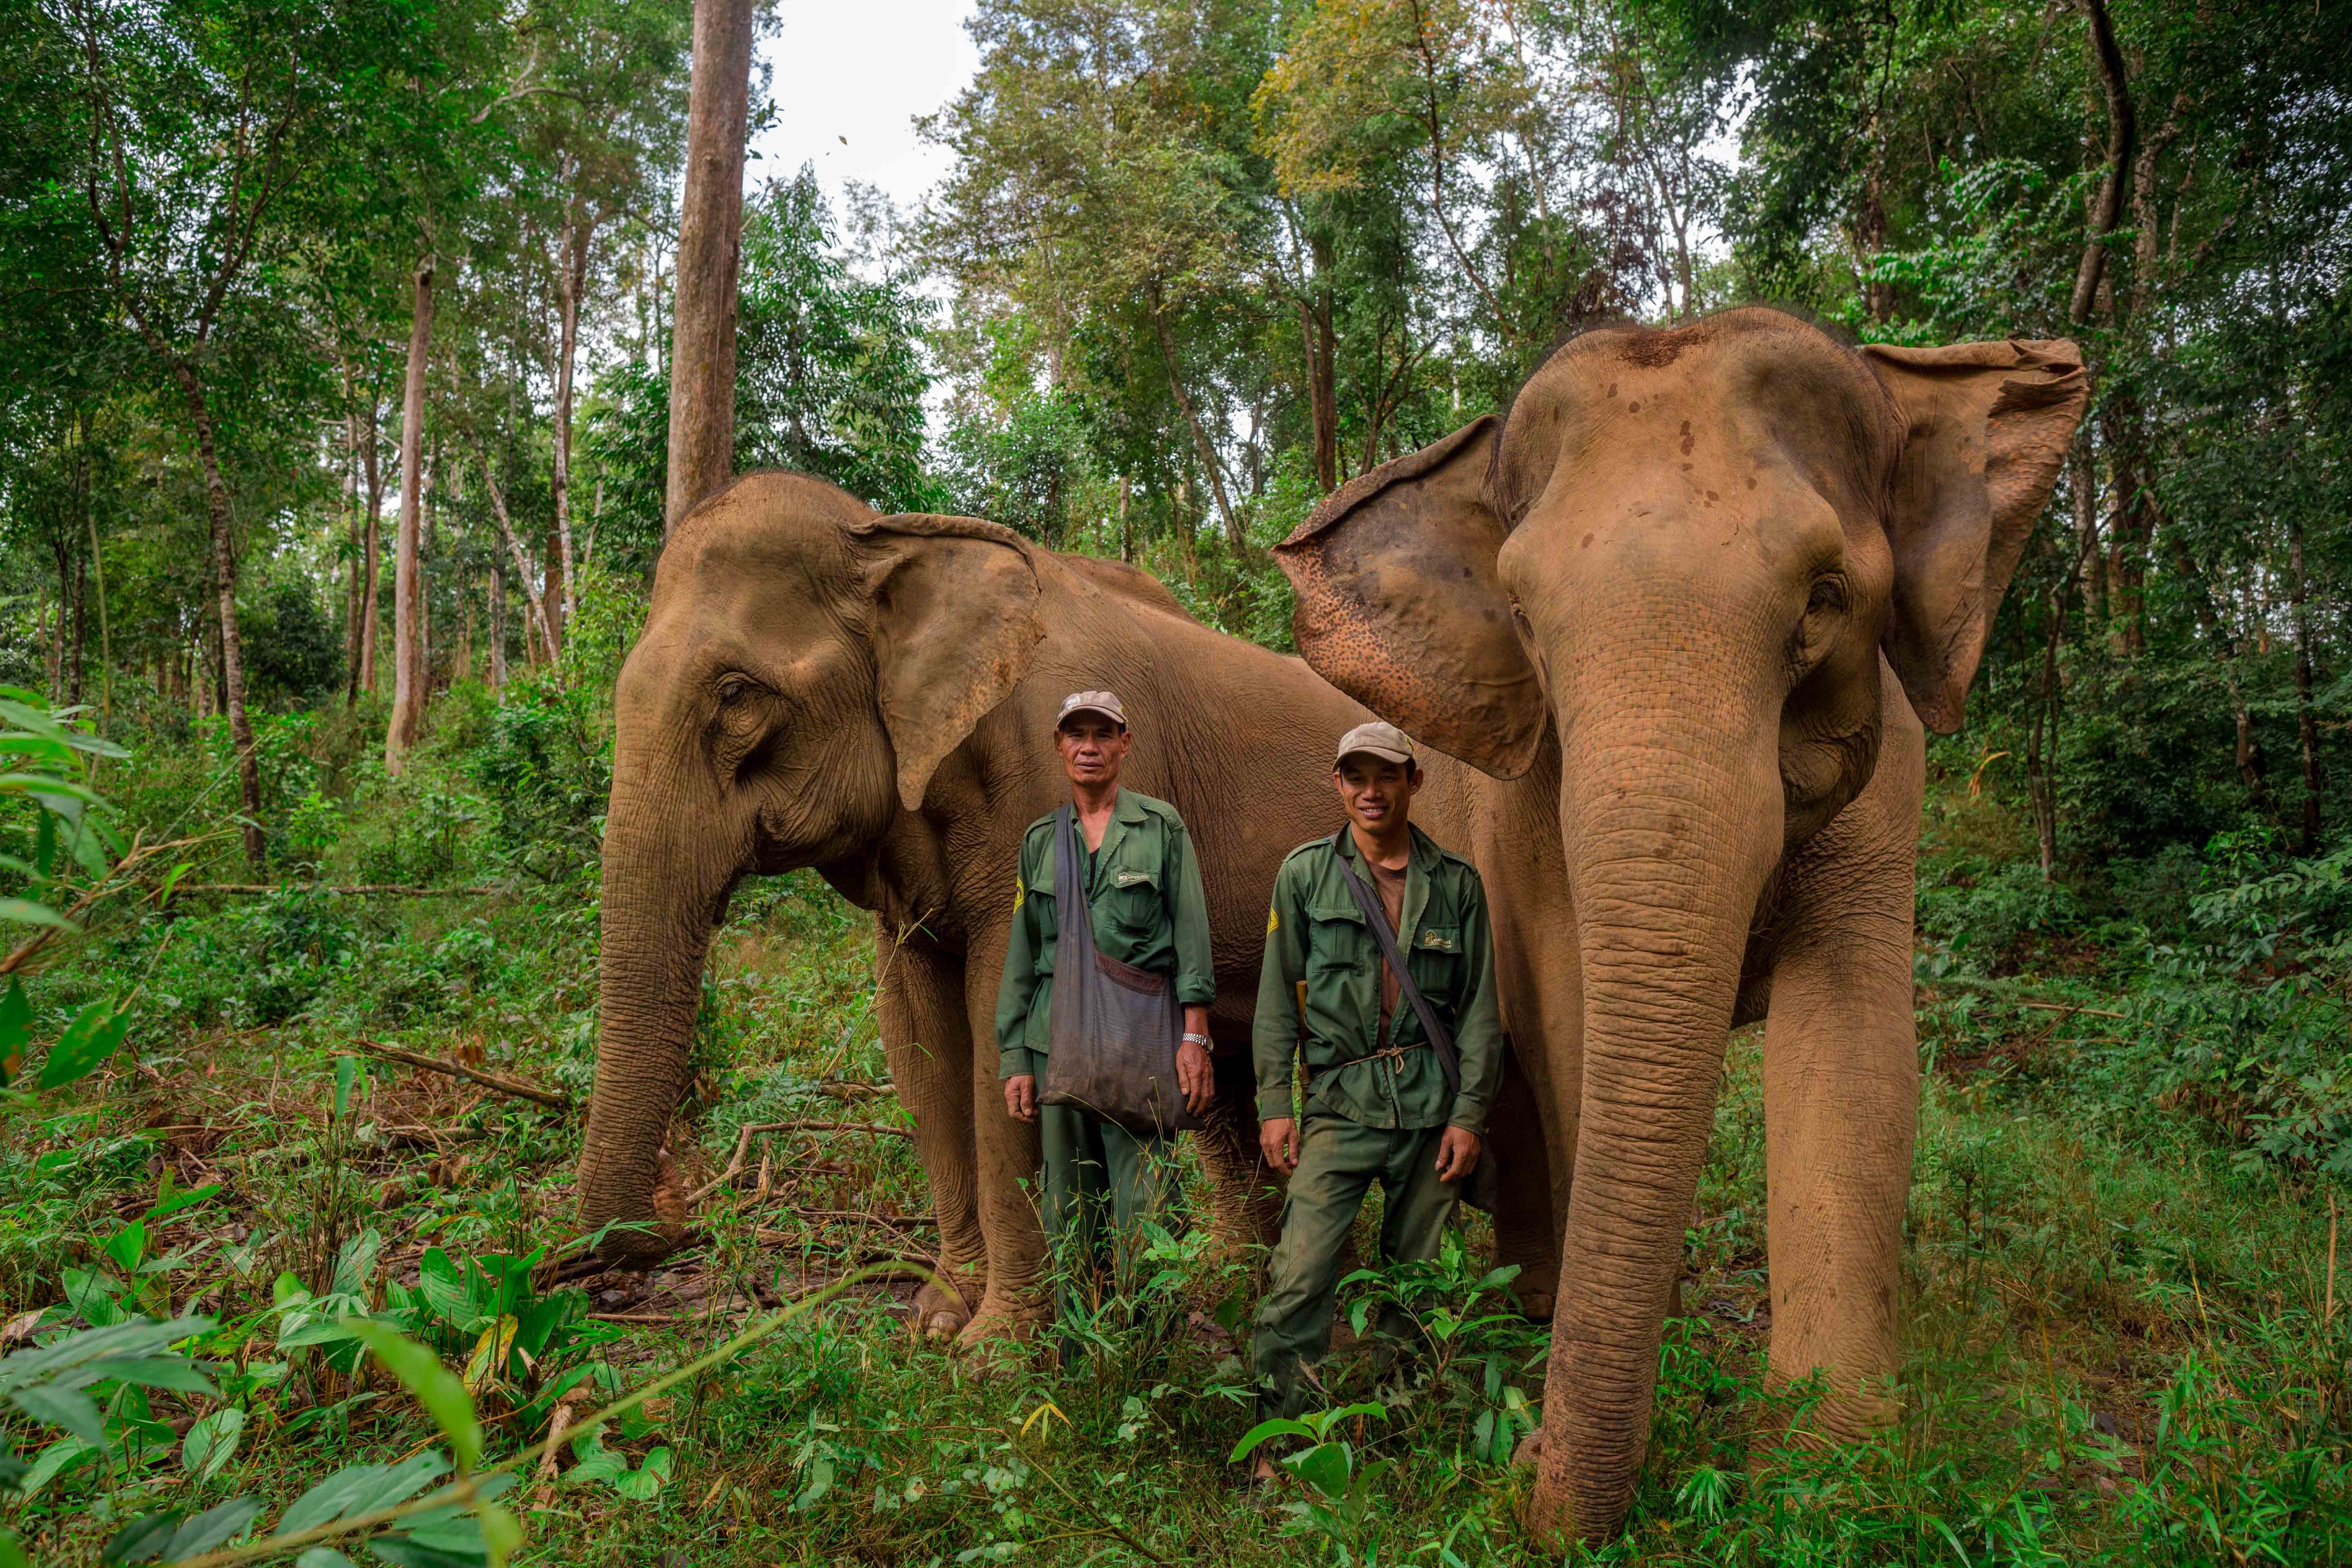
[1377, 915]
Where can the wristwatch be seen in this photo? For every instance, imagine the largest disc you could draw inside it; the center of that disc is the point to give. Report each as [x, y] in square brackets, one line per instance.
[1200, 1040]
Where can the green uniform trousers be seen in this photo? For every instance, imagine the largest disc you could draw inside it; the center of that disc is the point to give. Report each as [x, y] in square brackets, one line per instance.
[1338, 1159]
[1091, 1165]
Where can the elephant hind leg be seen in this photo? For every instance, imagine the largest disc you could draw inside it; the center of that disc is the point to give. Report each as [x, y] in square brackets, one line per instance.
[1244, 1192]
[1525, 1232]
[1014, 1296]
[919, 1010]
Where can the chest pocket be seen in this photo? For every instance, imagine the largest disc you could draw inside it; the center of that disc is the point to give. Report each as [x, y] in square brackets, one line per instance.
[1338, 942]
[1131, 897]
[1437, 960]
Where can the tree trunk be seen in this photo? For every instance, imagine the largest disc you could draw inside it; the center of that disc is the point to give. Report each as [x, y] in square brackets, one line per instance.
[2122, 131]
[1209, 462]
[2254, 771]
[74, 687]
[2306, 721]
[355, 594]
[363, 676]
[497, 623]
[232, 649]
[2042, 741]
[2123, 431]
[1322, 369]
[532, 606]
[710, 241]
[407, 678]
[571, 282]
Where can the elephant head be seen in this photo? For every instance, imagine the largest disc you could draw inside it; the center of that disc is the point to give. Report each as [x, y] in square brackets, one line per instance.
[1682, 555]
[805, 667]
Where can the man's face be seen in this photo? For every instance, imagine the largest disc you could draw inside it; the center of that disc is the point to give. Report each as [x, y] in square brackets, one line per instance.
[1376, 794]
[1092, 749]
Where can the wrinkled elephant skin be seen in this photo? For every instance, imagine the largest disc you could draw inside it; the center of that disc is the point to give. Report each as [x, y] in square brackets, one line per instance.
[1686, 608]
[818, 684]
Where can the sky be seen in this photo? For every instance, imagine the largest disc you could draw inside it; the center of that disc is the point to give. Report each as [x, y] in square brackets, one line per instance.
[849, 80]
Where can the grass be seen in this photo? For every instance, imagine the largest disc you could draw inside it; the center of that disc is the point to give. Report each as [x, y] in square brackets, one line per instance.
[2125, 1341]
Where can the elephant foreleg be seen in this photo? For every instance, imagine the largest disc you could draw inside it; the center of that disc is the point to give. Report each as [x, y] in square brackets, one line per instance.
[1244, 1192]
[919, 1008]
[1842, 1099]
[1016, 1298]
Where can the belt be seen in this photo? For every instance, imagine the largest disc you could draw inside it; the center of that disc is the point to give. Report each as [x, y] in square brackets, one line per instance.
[1394, 1055]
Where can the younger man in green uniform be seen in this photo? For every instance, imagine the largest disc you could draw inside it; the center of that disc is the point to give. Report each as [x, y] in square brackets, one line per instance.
[1378, 1104]
[1143, 888]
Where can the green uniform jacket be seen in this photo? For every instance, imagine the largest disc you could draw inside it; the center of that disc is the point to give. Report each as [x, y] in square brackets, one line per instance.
[1316, 934]
[1148, 910]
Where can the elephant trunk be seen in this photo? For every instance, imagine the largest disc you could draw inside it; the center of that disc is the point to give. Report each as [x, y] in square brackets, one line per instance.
[1671, 816]
[664, 892]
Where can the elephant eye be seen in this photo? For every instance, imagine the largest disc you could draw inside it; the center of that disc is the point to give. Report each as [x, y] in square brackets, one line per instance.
[1828, 595]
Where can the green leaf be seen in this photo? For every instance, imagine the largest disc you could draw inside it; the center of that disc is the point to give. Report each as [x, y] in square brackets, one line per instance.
[347, 1073]
[173, 1372]
[67, 1407]
[324, 1557]
[402, 1551]
[501, 1533]
[445, 1290]
[26, 912]
[94, 1034]
[210, 1528]
[644, 1483]
[143, 1539]
[12, 1551]
[435, 1385]
[55, 1460]
[16, 1030]
[1326, 1468]
[185, 1198]
[1280, 1427]
[362, 1488]
[211, 1442]
[127, 1247]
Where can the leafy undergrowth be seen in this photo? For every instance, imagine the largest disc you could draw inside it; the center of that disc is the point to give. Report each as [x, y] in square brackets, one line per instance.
[2124, 1337]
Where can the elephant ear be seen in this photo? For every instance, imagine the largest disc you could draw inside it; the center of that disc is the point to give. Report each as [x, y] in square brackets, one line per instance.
[1986, 429]
[1400, 606]
[955, 626]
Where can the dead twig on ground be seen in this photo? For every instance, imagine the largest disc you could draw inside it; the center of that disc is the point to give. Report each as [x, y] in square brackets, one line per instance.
[904, 1268]
[515, 1086]
[363, 889]
[754, 1129]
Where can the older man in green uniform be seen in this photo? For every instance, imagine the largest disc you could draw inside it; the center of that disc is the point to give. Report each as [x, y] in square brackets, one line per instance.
[1378, 1106]
[1143, 889]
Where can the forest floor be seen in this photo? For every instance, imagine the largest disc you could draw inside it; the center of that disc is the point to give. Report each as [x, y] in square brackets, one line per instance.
[2119, 1327]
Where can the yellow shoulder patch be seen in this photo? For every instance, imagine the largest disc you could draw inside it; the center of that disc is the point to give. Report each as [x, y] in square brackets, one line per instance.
[1019, 892]
[1272, 920]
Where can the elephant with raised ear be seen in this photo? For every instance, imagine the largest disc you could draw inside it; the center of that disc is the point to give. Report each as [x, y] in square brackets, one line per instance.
[818, 684]
[1686, 607]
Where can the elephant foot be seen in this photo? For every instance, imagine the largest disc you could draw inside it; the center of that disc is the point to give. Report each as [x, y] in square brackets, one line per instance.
[940, 1313]
[1535, 1306]
[1529, 1451]
[996, 1324]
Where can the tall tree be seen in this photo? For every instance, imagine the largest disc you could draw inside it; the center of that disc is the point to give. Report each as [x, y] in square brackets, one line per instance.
[709, 241]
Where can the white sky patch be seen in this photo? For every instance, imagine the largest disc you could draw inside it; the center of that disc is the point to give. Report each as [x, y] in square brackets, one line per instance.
[850, 80]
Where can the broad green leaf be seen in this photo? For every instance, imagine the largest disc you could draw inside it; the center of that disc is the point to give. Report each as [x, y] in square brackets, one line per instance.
[1326, 1466]
[436, 1387]
[403, 1552]
[94, 1034]
[173, 1372]
[135, 1338]
[54, 1461]
[67, 1407]
[324, 1557]
[644, 1483]
[444, 1289]
[362, 1488]
[143, 1539]
[210, 1528]
[347, 1073]
[211, 1442]
[12, 1551]
[355, 1265]
[127, 1245]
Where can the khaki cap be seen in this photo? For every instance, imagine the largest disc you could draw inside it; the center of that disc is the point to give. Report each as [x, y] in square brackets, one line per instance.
[1379, 739]
[1103, 702]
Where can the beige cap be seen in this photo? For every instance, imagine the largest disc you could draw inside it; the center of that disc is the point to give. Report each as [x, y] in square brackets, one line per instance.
[1380, 739]
[1103, 702]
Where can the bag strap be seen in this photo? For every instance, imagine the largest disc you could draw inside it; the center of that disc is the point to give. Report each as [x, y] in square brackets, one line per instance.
[1073, 920]
[1377, 914]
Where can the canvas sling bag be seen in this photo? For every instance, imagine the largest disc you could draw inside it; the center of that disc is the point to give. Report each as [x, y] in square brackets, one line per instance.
[1479, 1190]
[1111, 1039]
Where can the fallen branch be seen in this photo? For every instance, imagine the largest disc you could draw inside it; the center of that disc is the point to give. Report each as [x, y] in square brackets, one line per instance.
[2062, 1007]
[515, 1086]
[896, 1267]
[753, 1128]
[386, 889]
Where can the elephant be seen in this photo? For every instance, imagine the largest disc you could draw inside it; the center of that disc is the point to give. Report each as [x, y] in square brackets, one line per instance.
[820, 685]
[1686, 607]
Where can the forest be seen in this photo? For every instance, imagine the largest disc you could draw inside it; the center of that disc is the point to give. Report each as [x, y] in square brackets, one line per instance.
[335, 462]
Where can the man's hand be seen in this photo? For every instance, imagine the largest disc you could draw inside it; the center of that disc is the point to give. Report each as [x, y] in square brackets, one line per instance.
[1457, 1156]
[1277, 1143]
[1021, 1097]
[1195, 1077]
